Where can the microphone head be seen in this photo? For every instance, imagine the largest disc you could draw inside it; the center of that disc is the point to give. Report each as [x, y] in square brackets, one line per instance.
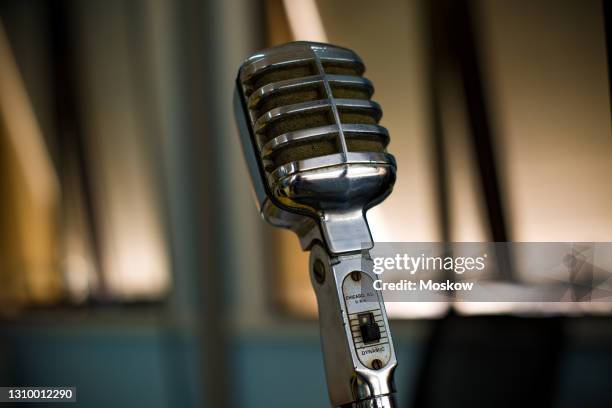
[310, 134]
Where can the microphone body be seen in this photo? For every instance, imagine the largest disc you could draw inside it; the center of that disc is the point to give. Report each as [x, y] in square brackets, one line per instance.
[318, 161]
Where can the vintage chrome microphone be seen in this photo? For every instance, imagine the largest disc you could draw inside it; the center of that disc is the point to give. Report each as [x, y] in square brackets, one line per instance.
[318, 162]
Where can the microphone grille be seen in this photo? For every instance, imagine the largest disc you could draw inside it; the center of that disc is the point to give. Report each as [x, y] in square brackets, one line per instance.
[309, 103]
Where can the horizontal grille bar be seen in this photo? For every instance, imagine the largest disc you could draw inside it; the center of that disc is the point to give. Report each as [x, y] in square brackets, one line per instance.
[283, 58]
[322, 131]
[342, 104]
[321, 162]
[295, 84]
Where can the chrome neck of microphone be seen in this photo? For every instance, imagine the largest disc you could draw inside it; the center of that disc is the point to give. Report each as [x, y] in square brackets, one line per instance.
[318, 161]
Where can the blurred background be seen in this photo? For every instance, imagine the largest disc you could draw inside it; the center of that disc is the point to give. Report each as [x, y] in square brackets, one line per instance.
[134, 266]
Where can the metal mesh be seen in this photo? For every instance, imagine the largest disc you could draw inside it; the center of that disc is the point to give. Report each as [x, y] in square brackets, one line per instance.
[303, 88]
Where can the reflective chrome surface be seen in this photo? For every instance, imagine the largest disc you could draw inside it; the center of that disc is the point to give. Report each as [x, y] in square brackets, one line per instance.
[316, 132]
[292, 53]
[304, 107]
[318, 161]
[297, 83]
[377, 402]
[350, 381]
[318, 187]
